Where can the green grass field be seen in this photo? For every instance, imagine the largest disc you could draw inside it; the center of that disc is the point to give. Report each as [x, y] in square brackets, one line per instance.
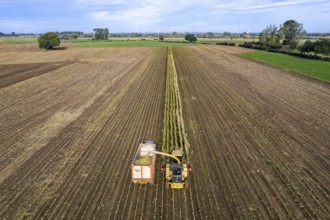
[314, 68]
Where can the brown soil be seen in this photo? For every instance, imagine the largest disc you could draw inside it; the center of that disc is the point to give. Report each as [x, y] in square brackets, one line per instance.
[259, 136]
[71, 121]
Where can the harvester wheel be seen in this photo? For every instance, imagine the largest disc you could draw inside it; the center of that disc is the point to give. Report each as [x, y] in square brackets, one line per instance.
[167, 184]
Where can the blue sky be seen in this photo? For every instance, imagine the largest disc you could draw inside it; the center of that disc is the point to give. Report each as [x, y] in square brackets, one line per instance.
[38, 16]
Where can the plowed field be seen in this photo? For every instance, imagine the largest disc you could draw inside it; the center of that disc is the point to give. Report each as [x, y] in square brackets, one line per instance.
[71, 120]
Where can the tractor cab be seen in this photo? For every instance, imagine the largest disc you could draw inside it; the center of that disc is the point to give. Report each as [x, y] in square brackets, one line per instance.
[175, 167]
[176, 172]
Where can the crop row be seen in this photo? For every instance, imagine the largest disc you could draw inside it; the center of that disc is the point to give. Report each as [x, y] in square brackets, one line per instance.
[174, 136]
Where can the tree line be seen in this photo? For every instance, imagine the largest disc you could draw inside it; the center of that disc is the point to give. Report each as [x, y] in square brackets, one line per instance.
[318, 47]
[286, 38]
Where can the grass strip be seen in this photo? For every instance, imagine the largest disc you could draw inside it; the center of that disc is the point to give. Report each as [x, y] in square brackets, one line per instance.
[313, 68]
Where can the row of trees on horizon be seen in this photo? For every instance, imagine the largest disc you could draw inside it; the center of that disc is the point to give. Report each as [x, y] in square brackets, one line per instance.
[286, 36]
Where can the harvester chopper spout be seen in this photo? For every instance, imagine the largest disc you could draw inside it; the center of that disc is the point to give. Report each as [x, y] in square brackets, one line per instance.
[168, 155]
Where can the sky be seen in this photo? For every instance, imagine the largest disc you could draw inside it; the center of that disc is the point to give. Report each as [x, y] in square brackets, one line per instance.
[166, 16]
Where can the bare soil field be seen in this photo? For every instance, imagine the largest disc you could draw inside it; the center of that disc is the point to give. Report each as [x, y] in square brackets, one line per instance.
[68, 135]
[71, 120]
[259, 135]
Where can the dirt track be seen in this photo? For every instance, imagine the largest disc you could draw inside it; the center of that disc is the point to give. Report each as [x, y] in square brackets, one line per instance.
[71, 120]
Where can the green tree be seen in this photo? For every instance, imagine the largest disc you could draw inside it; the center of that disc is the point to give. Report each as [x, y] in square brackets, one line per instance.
[48, 40]
[101, 33]
[191, 38]
[322, 47]
[106, 33]
[210, 35]
[226, 34]
[292, 31]
[161, 37]
[244, 35]
[270, 37]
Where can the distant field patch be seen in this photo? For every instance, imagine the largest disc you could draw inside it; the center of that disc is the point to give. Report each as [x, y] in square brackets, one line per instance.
[137, 43]
[314, 68]
[18, 40]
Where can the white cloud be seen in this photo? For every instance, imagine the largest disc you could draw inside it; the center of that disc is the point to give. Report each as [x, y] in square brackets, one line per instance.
[99, 2]
[256, 5]
[142, 15]
[153, 15]
[273, 5]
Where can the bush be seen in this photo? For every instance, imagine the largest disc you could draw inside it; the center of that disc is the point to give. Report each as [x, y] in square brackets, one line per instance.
[226, 43]
[253, 45]
[302, 55]
[293, 44]
[322, 47]
[307, 47]
[318, 47]
[48, 40]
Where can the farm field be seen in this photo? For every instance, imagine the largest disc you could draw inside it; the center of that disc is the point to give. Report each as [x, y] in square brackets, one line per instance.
[261, 137]
[71, 121]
